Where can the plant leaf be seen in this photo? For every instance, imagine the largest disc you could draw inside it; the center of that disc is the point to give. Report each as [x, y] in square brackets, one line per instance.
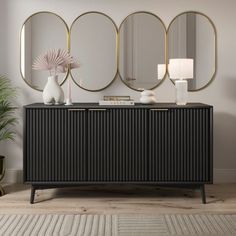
[7, 111]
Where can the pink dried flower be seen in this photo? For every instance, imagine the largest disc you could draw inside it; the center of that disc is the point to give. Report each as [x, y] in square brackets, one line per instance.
[57, 60]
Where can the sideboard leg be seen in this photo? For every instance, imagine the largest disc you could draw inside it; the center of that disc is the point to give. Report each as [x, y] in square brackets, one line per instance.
[1, 191]
[203, 194]
[33, 188]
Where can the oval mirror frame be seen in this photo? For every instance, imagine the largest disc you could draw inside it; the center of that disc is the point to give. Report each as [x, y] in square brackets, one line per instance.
[67, 45]
[116, 50]
[215, 47]
[165, 49]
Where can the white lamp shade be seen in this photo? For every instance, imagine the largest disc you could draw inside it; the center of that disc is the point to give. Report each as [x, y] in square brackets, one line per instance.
[181, 68]
[161, 71]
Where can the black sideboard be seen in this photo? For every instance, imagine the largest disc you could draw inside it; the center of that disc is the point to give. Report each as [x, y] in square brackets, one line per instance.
[143, 144]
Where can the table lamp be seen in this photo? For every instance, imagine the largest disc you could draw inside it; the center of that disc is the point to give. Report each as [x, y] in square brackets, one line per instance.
[181, 69]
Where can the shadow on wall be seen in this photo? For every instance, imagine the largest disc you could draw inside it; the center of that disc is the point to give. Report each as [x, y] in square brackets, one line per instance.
[19, 128]
[224, 140]
[4, 31]
[229, 88]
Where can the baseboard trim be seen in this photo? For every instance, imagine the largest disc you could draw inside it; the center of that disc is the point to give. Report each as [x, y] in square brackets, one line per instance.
[220, 176]
[224, 176]
[13, 176]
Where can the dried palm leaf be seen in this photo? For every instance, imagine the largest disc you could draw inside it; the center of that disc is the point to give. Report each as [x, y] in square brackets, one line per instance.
[52, 60]
[72, 65]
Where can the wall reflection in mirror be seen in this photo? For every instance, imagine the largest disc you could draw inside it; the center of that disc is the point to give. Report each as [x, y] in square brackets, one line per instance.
[142, 51]
[94, 41]
[192, 35]
[40, 32]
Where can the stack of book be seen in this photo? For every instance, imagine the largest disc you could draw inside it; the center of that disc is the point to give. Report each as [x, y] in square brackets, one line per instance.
[116, 100]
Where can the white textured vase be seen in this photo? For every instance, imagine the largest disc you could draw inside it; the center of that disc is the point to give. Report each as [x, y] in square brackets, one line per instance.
[53, 93]
[148, 97]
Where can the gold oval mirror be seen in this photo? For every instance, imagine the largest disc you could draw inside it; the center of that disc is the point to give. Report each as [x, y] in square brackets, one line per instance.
[40, 32]
[193, 35]
[142, 44]
[93, 40]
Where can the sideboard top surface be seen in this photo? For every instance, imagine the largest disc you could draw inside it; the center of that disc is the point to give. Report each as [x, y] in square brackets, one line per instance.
[137, 105]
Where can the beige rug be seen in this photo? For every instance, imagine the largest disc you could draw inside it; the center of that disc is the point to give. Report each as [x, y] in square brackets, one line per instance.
[117, 225]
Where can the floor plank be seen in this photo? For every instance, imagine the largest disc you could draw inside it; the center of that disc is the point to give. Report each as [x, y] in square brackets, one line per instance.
[118, 200]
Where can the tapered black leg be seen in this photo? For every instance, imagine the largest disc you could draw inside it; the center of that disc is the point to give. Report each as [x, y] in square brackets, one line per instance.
[203, 194]
[1, 191]
[32, 194]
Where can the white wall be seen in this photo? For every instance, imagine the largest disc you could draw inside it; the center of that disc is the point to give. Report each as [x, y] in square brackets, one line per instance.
[221, 93]
[3, 30]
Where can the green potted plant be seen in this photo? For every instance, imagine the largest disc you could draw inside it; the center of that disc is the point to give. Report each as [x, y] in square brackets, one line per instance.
[7, 118]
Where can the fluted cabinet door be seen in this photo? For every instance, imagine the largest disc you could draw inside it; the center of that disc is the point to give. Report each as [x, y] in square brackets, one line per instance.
[180, 145]
[117, 145]
[55, 147]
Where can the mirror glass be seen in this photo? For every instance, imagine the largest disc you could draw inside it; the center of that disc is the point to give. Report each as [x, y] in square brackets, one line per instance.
[40, 32]
[94, 43]
[192, 35]
[142, 51]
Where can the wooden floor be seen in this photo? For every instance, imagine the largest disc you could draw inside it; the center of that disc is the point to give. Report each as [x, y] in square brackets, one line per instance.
[118, 200]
